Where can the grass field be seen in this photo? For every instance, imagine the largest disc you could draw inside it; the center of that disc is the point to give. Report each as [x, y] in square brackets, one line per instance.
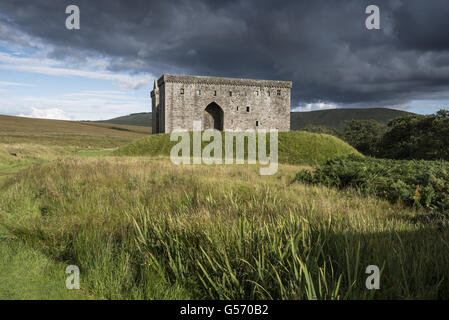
[26, 273]
[18, 130]
[140, 227]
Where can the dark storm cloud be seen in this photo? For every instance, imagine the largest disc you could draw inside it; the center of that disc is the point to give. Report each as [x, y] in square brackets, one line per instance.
[322, 46]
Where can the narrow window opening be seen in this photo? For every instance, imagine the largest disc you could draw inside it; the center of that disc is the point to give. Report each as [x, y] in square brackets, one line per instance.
[198, 92]
[230, 93]
[215, 93]
[279, 92]
[237, 108]
[247, 109]
[257, 123]
[182, 90]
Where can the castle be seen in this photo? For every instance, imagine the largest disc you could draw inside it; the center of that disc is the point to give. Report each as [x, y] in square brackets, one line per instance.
[220, 103]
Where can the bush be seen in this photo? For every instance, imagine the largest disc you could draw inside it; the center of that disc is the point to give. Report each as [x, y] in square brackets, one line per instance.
[424, 184]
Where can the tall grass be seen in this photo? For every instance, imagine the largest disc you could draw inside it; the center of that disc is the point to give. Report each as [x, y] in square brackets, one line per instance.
[144, 228]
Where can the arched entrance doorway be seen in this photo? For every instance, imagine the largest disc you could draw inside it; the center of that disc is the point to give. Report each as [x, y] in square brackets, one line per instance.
[213, 117]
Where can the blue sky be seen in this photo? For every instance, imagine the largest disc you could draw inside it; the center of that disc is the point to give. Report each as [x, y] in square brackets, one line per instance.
[427, 106]
[33, 85]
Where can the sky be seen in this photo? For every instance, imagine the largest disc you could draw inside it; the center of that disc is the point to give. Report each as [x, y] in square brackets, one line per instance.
[107, 67]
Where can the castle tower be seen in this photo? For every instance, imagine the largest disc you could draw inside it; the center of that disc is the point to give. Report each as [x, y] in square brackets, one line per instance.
[155, 101]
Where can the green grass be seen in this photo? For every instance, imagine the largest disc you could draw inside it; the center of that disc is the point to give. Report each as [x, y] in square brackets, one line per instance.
[144, 228]
[295, 147]
[14, 157]
[27, 141]
[26, 273]
[30, 126]
[18, 130]
[95, 152]
[79, 141]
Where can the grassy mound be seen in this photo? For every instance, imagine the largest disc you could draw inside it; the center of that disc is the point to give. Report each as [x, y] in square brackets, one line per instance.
[295, 147]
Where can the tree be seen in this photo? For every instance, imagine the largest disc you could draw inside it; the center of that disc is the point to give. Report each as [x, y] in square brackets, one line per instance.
[364, 135]
[417, 137]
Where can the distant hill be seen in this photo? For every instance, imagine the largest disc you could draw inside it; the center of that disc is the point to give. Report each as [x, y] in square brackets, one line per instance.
[335, 118]
[134, 119]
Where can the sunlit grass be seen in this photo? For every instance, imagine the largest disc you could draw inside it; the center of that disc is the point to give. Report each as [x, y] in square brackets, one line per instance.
[26, 273]
[145, 228]
[294, 147]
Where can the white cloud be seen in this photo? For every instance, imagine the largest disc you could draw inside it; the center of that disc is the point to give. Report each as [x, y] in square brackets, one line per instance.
[54, 113]
[26, 54]
[53, 67]
[15, 84]
[83, 105]
[16, 39]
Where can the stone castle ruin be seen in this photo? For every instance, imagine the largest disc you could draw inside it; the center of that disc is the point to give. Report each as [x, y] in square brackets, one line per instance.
[219, 103]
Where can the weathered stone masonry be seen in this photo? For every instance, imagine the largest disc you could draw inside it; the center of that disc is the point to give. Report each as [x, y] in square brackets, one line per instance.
[221, 103]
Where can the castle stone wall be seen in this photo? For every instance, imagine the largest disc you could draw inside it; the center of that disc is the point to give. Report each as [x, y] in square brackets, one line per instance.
[246, 103]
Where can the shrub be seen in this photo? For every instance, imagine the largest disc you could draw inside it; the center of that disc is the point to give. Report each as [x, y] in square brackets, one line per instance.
[420, 183]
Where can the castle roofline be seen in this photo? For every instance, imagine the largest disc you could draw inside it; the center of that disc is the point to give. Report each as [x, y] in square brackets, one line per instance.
[223, 81]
